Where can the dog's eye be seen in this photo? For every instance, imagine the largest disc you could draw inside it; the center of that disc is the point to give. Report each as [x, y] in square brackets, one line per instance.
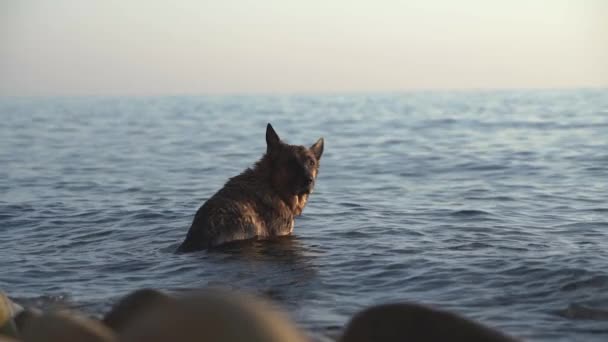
[310, 162]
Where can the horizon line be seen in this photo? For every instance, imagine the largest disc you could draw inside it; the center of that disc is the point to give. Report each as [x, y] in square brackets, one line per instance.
[309, 93]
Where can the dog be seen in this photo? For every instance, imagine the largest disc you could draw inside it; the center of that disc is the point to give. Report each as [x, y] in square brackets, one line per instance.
[261, 202]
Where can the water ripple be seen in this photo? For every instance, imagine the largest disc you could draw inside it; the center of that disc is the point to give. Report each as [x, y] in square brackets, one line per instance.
[490, 204]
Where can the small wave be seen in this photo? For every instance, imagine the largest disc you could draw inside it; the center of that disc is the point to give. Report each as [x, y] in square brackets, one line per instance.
[354, 234]
[411, 174]
[470, 246]
[488, 167]
[577, 311]
[6, 216]
[491, 198]
[351, 205]
[585, 225]
[17, 208]
[468, 213]
[594, 282]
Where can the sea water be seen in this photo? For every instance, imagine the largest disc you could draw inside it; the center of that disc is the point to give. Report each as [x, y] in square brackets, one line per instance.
[491, 204]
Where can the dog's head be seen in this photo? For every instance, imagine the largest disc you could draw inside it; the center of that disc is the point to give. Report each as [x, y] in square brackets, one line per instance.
[294, 168]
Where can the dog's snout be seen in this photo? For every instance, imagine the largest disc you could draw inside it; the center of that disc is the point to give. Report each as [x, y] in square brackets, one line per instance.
[309, 180]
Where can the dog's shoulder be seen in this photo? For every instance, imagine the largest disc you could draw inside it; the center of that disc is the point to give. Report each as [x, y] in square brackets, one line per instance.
[247, 192]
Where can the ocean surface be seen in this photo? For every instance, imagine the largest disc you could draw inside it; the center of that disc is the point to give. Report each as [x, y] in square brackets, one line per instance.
[490, 204]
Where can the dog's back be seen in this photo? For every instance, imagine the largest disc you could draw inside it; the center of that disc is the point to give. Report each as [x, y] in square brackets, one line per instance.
[243, 209]
[262, 201]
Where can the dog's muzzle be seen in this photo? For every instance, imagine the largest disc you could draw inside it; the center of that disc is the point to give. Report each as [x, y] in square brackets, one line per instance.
[307, 187]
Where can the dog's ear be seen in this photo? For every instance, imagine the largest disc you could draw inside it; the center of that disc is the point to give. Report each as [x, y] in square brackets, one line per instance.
[272, 138]
[317, 148]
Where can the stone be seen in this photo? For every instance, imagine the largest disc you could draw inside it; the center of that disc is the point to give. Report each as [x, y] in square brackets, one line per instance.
[63, 326]
[214, 315]
[413, 322]
[132, 306]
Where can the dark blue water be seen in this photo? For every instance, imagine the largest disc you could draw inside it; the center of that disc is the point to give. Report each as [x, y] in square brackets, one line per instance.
[491, 204]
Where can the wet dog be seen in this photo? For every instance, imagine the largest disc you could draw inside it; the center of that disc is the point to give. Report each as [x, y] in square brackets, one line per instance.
[262, 201]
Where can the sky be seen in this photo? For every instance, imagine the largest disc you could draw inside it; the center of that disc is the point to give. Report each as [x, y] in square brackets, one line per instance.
[67, 47]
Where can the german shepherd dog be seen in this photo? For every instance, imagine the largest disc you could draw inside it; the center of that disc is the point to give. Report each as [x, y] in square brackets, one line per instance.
[262, 201]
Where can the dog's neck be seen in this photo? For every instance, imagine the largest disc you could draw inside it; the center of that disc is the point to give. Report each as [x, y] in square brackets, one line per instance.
[299, 204]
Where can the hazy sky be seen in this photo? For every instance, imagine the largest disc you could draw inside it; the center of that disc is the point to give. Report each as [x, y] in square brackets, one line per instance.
[73, 47]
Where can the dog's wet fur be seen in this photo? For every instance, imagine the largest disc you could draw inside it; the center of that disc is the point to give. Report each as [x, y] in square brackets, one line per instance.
[262, 201]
